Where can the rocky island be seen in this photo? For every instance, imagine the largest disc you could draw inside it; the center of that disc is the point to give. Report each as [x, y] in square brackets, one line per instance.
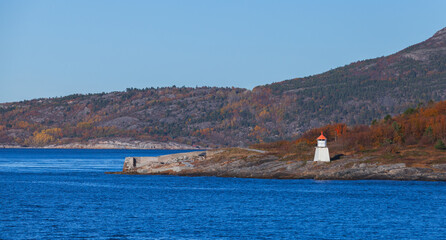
[250, 163]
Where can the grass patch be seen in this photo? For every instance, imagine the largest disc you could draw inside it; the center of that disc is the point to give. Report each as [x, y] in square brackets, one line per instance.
[369, 150]
[416, 153]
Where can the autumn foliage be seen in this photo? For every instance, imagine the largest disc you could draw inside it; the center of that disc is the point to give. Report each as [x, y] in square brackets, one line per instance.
[421, 126]
[44, 137]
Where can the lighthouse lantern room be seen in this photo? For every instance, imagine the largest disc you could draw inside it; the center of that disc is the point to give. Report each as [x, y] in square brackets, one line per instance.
[321, 154]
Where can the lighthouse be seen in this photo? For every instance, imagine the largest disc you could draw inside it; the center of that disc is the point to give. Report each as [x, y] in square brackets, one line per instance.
[321, 154]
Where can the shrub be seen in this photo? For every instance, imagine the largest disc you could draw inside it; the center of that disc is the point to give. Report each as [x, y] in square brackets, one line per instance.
[440, 145]
[409, 111]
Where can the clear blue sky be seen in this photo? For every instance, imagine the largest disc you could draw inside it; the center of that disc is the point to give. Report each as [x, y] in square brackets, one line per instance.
[56, 48]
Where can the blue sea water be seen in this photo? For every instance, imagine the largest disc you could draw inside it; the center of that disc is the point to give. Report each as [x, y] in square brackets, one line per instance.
[50, 194]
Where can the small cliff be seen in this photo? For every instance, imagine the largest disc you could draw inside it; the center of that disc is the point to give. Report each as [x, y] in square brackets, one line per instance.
[247, 163]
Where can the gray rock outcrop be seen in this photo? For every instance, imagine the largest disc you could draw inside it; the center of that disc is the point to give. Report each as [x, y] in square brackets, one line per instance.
[252, 164]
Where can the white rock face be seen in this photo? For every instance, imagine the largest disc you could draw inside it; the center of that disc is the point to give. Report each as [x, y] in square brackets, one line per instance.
[172, 162]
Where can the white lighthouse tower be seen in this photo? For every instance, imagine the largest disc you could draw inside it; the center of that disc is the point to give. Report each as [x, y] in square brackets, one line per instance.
[321, 154]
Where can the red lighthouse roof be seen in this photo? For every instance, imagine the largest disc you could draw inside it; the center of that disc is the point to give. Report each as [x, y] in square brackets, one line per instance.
[322, 137]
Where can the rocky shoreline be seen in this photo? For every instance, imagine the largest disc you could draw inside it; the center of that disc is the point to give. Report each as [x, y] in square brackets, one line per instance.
[113, 144]
[252, 164]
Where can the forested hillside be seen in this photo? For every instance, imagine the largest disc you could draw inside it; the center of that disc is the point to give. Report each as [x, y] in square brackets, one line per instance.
[210, 117]
[418, 136]
[365, 90]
